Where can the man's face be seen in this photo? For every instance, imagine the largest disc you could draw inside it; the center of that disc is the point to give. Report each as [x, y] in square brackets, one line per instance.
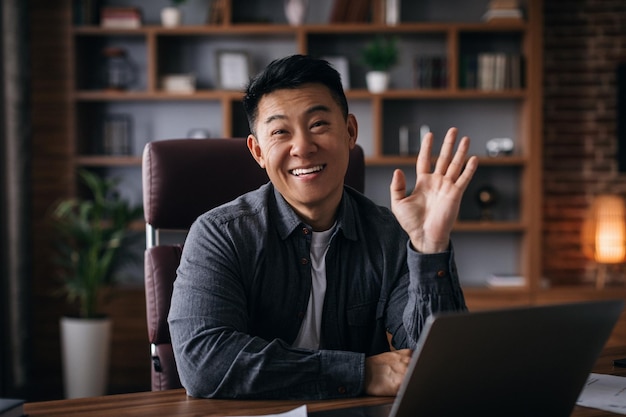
[303, 142]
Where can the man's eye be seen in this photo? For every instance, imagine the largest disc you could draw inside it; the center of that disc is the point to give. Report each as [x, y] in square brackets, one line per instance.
[319, 123]
[278, 132]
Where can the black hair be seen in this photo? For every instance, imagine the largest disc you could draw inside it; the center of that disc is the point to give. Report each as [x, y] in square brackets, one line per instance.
[289, 73]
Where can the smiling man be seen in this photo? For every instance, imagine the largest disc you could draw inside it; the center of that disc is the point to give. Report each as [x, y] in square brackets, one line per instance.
[305, 288]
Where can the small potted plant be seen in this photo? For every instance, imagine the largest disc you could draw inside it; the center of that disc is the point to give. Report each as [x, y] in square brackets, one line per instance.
[91, 237]
[379, 56]
[172, 16]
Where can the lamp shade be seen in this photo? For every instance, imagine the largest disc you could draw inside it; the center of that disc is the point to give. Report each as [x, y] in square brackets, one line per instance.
[604, 230]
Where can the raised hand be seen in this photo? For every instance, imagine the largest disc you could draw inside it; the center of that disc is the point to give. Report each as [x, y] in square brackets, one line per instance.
[429, 212]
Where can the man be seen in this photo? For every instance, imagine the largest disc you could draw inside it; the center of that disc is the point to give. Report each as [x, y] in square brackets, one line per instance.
[305, 288]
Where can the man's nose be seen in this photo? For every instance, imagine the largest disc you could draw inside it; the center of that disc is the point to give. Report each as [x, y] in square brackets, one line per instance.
[303, 143]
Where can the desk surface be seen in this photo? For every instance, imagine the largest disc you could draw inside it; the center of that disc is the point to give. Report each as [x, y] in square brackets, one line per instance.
[176, 402]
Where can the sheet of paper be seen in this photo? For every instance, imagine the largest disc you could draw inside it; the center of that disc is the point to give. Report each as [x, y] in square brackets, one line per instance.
[296, 412]
[604, 392]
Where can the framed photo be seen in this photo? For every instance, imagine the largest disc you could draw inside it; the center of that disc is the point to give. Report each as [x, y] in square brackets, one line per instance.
[233, 69]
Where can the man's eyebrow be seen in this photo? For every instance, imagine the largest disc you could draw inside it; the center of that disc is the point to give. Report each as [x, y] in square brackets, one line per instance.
[319, 107]
[310, 110]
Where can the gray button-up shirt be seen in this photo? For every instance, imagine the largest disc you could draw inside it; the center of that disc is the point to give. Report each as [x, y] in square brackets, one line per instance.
[243, 286]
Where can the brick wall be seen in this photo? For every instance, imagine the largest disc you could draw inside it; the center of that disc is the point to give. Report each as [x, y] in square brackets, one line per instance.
[583, 42]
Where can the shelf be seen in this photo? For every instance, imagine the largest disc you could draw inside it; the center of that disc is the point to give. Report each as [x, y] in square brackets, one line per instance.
[489, 226]
[334, 28]
[448, 93]
[103, 95]
[108, 161]
[513, 239]
[409, 160]
[443, 94]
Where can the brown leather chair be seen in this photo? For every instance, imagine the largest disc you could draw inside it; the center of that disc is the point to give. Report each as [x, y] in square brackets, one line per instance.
[183, 178]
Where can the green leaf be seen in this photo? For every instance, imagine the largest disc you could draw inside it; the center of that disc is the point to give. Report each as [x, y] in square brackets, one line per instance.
[92, 235]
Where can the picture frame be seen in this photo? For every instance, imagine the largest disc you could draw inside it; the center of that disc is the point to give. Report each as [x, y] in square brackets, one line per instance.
[233, 69]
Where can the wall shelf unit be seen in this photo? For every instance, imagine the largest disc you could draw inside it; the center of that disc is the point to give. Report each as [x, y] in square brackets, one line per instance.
[459, 35]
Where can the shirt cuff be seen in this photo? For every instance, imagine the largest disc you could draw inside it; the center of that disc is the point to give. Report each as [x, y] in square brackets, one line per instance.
[433, 271]
[344, 373]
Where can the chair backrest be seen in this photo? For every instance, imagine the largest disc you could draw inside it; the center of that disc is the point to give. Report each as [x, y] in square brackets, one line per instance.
[183, 178]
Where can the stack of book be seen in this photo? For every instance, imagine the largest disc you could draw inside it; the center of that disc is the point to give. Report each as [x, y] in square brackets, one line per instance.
[492, 71]
[120, 17]
[500, 10]
[431, 72]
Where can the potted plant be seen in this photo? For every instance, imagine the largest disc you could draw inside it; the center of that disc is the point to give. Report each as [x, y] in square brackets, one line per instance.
[172, 16]
[379, 56]
[92, 234]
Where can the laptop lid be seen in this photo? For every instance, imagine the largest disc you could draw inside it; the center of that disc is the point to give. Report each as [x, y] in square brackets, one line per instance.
[529, 361]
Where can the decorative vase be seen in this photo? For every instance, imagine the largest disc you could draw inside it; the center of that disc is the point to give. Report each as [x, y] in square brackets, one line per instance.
[295, 10]
[171, 17]
[85, 346]
[377, 81]
[392, 12]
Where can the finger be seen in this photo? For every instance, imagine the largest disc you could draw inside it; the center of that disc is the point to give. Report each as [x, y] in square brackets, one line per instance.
[456, 166]
[422, 165]
[397, 188]
[468, 172]
[445, 155]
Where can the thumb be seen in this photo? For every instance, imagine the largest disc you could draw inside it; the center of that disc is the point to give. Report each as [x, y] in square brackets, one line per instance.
[397, 188]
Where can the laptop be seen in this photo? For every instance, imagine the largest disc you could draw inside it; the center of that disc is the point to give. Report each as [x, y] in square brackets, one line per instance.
[528, 361]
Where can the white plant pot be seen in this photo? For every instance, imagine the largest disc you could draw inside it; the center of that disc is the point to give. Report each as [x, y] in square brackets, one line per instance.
[85, 346]
[377, 81]
[171, 17]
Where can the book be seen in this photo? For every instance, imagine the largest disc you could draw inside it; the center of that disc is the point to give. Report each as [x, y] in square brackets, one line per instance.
[86, 12]
[503, 10]
[505, 281]
[120, 17]
[431, 72]
[494, 71]
[353, 11]
[10, 407]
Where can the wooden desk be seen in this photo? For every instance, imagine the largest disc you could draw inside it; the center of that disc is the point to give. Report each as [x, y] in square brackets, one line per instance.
[176, 403]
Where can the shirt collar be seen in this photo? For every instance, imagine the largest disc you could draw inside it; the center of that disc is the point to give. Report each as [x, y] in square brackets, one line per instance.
[287, 220]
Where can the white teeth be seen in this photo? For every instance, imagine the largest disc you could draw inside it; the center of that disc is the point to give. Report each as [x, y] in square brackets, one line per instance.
[303, 171]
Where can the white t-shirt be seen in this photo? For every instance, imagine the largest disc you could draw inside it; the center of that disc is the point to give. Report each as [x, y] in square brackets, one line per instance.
[309, 335]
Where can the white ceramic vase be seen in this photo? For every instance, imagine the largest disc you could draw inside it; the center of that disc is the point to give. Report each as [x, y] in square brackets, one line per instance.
[295, 11]
[85, 347]
[377, 81]
[171, 17]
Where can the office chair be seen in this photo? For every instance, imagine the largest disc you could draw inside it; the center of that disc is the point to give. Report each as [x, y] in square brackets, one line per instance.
[183, 178]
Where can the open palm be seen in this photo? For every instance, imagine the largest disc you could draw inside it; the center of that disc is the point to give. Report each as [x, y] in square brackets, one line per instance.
[429, 212]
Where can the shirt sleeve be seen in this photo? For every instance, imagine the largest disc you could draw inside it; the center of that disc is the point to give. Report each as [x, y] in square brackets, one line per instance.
[216, 354]
[430, 286]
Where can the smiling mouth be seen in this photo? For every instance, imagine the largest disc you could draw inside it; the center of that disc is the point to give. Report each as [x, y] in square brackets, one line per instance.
[304, 171]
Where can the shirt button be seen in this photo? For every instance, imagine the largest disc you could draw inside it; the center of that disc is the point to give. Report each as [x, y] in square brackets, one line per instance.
[342, 390]
[304, 261]
[441, 273]
[305, 231]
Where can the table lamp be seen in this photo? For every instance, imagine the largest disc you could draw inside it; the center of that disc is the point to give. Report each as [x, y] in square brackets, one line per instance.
[604, 234]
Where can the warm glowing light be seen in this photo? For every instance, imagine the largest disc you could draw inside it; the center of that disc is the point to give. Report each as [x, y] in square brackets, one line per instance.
[604, 230]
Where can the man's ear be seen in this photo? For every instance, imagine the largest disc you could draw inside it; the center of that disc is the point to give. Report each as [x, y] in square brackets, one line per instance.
[255, 150]
[353, 130]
